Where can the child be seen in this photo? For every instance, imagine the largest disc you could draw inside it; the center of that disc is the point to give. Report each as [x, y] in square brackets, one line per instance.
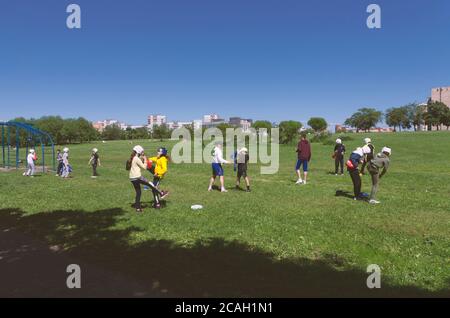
[94, 161]
[381, 161]
[368, 156]
[134, 165]
[66, 166]
[241, 159]
[217, 170]
[356, 158]
[338, 155]
[31, 158]
[158, 167]
[304, 156]
[59, 158]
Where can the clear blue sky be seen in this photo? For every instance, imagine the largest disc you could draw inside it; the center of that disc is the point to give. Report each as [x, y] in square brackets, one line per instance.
[262, 59]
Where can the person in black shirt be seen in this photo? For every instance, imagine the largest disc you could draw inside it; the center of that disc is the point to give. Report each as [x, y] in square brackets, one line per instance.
[241, 160]
[338, 155]
[94, 161]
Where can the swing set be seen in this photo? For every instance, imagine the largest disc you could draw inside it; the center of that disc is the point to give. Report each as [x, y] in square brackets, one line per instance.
[27, 136]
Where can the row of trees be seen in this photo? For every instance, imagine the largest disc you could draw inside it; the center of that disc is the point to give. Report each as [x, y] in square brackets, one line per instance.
[411, 116]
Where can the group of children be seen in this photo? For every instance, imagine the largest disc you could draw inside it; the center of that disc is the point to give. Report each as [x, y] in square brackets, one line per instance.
[157, 166]
[377, 166]
[240, 160]
[64, 168]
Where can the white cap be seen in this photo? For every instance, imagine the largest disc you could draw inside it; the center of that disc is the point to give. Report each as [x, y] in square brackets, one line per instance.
[138, 149]
[31, 150]
[387, 150]
[66, 149]
[95, 150]
[243, 149]
[367, 140]
[359, 151]
[366, 150]
[339, 141]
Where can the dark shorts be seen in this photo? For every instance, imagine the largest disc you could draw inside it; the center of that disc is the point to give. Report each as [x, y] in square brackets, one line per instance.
[242, 170]
[303, 163]
[217, 169]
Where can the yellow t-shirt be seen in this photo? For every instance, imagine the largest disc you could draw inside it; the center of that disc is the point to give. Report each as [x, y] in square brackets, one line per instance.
[161, 165]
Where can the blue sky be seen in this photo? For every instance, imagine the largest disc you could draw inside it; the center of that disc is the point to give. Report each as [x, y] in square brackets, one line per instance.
[262, 59]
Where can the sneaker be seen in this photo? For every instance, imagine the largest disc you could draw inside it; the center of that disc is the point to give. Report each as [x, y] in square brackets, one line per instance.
[224, 190]
[164, 194]
[304, 182]
[138, 210]
[374, 202]
[157, 206]
[299, 181]
[209, 189]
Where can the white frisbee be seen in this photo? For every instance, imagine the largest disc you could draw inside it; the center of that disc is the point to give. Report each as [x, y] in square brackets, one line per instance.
[196, 207]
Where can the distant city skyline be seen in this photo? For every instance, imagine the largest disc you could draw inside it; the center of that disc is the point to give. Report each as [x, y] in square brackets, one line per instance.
[261, 59]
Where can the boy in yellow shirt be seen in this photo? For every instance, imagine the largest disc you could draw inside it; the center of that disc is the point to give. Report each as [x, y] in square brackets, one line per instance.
[158, 167]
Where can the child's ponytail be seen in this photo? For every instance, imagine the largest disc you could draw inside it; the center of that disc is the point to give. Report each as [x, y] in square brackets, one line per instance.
[129, 161]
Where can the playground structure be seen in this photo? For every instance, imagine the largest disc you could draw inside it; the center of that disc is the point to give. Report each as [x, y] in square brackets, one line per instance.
[27, 135]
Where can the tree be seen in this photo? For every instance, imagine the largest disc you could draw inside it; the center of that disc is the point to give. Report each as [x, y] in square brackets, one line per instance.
[435, 115]
[112, 132]
[364, 119]
[446, 118]
[399, 117]
[318, 124]
[289, 131]
[257, 125]
[161, 132]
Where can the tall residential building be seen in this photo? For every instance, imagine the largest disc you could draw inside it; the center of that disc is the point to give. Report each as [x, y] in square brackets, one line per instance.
[156, 120]
[207, 119]
[441, 94]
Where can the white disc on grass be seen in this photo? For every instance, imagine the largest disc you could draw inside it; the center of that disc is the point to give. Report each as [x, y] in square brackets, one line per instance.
[197, 207]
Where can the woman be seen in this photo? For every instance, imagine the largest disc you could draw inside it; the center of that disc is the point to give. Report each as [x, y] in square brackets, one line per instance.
[94, 161]
[356, 158]
[134, 165]
[66, 166]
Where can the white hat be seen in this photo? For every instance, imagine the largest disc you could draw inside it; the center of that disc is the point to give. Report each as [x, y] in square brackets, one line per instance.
[339, 141]
[95, 150]
[31, 150]
[367, 140]
[138, 149]
[359, 151]
[243, 149]
[387, 150]
[366, 150]
[66, 149]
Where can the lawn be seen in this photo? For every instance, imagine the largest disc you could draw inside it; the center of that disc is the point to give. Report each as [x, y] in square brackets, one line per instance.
[281, 239]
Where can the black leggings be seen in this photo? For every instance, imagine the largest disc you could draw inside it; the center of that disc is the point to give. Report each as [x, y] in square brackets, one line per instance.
[356, 179]
[339, 162]
[137, 187]
[156, 193]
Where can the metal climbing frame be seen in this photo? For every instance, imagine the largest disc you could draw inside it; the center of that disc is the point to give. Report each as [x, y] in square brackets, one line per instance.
[31, 132]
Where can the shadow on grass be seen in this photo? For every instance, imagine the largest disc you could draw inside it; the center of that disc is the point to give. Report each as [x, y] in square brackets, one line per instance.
[215, 268]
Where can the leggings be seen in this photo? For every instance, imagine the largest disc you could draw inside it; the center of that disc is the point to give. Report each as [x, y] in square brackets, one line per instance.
[356, 179]
[137, 187]
[30, 171]
[156, 182]
[94, 170]
[339, 162]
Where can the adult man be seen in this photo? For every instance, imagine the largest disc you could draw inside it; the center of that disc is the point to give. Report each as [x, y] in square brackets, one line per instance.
[381, 161]
[242, 159]
[339, 152]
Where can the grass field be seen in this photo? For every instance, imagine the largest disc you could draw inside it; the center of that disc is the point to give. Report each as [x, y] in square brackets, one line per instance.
[281, 239]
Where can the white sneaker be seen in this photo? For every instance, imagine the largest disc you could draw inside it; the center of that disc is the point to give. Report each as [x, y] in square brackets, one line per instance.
[374, 202]
[304, 182]
[224, 190]
[209, 189]
[299, 181]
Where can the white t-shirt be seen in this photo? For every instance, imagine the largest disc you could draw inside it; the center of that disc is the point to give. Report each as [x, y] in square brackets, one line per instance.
[218, 156]
[30, 158]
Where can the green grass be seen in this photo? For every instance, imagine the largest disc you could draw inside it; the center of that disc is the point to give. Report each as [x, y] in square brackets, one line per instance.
[408, 235]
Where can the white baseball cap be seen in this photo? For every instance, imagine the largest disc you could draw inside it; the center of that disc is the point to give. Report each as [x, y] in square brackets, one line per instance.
[367, 140]
[138, 149]
[243, 149]
[339, 141]
[31, 150]
[66, 149]
[95, 150]
[387, 150]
